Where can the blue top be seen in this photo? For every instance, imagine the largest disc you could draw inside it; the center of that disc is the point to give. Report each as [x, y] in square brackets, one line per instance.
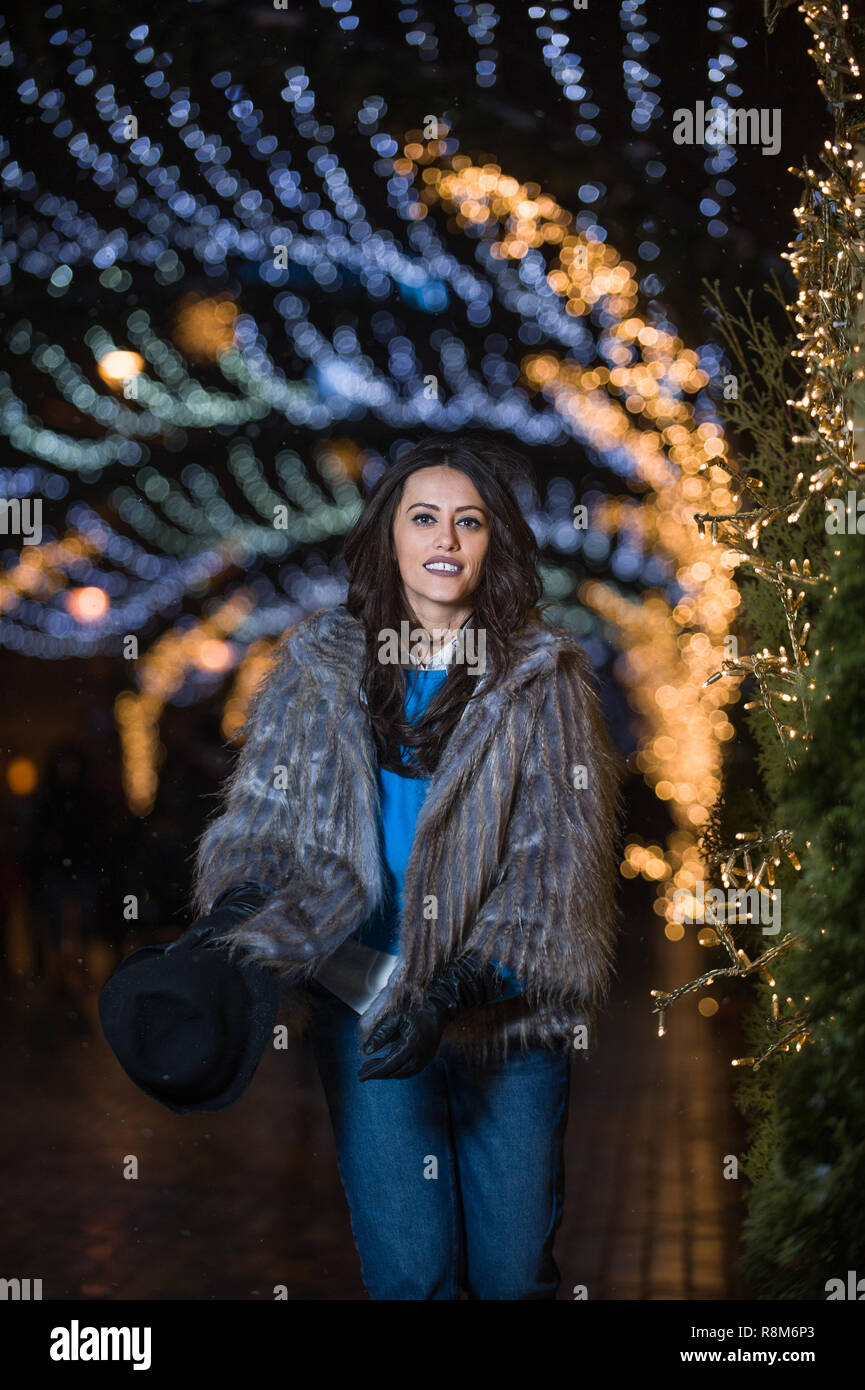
[401, 800]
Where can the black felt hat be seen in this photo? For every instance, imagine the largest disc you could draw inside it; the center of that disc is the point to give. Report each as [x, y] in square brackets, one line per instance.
[188, 1026]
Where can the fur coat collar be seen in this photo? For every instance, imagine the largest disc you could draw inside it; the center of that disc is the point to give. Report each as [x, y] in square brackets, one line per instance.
[515, 851]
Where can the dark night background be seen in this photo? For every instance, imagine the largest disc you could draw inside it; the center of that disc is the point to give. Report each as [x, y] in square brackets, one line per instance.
[527, 125]
[72, 849]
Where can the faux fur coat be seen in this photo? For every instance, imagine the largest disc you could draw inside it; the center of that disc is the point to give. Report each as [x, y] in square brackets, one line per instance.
[515, 847]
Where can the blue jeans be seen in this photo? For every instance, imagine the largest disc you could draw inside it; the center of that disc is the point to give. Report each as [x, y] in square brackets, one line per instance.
[454, 1177]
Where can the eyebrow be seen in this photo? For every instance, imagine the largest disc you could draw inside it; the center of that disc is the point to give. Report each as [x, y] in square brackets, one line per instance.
[434, 507]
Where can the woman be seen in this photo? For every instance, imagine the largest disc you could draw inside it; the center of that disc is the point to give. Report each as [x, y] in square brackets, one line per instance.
[421, 827]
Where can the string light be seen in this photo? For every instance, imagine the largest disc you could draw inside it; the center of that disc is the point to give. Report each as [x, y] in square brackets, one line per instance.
[721, 158]
[821, 256]
[632, 411]
[581, 363]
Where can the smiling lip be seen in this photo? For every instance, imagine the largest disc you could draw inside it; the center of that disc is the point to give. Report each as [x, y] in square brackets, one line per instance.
[440, 560]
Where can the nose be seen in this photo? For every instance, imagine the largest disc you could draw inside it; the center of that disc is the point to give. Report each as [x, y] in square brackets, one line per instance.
[448, 538]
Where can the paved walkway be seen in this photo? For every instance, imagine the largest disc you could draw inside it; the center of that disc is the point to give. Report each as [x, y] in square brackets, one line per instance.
[228, 1205]
[649, 1214]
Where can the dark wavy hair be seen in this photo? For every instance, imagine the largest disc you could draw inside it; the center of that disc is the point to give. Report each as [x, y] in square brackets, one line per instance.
[505, 600]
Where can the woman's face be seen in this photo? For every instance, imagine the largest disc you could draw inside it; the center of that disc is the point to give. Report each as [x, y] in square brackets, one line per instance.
[441, 517]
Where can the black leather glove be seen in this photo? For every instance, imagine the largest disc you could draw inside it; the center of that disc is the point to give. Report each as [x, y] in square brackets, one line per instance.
[414, 1035]
[232, 905]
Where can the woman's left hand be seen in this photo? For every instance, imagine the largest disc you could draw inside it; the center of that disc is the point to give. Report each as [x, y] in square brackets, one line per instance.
[413, 1038]
[414, 1034]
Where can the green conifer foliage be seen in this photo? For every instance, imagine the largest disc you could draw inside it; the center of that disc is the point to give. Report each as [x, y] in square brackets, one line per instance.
[806, 1214]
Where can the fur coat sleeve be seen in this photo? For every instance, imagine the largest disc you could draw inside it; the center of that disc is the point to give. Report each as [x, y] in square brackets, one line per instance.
[298, 813]
[552, 916]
